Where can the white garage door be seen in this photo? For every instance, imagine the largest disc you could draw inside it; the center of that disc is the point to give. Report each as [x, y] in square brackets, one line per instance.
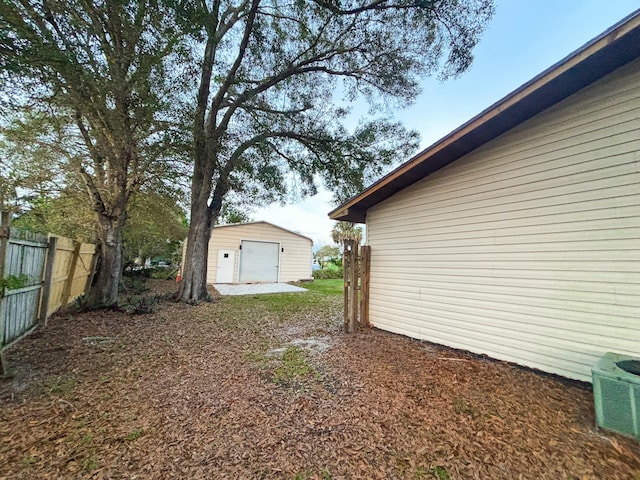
[259, 261]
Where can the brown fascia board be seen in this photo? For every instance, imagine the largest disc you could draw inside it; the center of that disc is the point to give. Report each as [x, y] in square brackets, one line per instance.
[609, 51]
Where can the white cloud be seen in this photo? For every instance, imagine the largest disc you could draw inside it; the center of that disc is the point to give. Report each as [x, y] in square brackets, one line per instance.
[308, 217]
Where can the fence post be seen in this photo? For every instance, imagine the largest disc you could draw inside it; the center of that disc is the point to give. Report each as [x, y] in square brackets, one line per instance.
[48, 278]
[4, 239]
[92, 271]
[72, 272]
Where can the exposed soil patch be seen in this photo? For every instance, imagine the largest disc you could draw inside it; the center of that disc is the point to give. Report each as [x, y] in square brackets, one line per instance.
[190, 392]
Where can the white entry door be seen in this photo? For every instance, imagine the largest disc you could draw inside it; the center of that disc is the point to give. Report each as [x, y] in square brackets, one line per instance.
[259, 261]
[226, 262]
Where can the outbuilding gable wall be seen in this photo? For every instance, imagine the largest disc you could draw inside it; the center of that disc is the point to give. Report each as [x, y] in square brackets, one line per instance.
[527, 249]
[295, 260]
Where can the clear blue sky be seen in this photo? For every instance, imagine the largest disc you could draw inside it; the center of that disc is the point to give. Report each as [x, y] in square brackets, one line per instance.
[524, 38]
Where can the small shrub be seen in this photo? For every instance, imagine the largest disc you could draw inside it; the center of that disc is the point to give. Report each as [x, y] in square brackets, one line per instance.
[137, 272]
[14, 282]
[135, 285]
[141, 306]
[82, 304]
[328, 273]
[162, 274]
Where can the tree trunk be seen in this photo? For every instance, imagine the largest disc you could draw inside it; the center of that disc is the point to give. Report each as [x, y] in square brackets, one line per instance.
[105, 291]
[193, 286]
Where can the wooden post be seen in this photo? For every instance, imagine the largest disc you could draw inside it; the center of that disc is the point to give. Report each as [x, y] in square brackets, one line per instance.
[364, 286]
[92, 271]
[4, 239]
[353, 321]
[43, 315]
[72, 271]
[345, 267]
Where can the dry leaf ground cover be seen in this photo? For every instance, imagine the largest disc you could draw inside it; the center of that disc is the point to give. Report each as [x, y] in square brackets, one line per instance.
[268, 387]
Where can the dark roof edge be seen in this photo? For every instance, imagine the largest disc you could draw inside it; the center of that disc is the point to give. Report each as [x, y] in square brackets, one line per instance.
[355, 208]
[263, 221]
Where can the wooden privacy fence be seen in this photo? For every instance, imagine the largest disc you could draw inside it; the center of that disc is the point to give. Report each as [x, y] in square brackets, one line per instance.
[71, 273]
[356, 261]
[22, 266]
[38, 276]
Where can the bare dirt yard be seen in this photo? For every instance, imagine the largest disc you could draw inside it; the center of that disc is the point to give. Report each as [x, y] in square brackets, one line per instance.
[267, 386]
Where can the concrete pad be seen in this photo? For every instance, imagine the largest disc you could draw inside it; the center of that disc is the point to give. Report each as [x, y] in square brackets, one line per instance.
[256, 288]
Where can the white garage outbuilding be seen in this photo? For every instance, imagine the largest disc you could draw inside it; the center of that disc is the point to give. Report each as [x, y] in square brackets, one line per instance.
[517, 235]
[258, 252]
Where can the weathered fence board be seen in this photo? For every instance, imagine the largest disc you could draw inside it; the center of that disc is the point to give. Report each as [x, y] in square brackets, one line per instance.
[25, 254]
[83, 271]
[72, 270]
[356, 262]
[39, 275]
[63, 256]
[4, 240]
[19, 312]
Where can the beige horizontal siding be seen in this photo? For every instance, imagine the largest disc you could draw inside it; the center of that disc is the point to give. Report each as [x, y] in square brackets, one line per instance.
[526, 249]
[295, 261]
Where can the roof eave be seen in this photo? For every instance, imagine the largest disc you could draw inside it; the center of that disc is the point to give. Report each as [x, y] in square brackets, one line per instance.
[353, 214]
[599, 57]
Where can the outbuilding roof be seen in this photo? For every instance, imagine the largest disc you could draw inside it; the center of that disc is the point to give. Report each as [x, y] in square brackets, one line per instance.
[607, 52]
[265, 223]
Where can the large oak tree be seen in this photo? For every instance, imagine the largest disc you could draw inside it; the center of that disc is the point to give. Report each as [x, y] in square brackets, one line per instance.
[99, 71]
[271, 74]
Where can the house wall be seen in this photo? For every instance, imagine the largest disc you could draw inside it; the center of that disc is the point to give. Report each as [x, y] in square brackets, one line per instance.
[295, 261]
[527, 249]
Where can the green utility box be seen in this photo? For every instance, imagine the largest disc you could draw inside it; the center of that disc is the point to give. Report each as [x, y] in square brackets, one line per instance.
[616, 392]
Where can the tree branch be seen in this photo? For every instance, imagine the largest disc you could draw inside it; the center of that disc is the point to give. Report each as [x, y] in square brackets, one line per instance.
[231, 75]
[378, 5]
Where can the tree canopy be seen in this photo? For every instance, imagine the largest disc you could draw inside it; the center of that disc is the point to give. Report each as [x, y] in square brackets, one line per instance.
[47, 195]
[156, 227]
[342, 231]
[327, 253]
[255, 94]
[269, 114]
[98, 74]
